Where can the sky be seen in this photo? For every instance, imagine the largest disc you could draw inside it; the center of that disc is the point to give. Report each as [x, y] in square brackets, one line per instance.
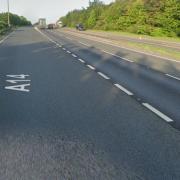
[49, 9]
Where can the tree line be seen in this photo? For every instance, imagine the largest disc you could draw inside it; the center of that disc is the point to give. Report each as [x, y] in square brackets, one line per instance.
[15, 20]
[149, 17]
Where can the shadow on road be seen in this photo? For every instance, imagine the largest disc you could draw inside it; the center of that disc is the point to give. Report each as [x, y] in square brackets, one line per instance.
[62, 128]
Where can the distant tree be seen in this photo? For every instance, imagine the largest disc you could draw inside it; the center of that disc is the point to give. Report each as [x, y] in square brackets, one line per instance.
[152, 17]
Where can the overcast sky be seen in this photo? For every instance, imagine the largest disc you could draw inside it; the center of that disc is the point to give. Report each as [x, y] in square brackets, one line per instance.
[49, 9]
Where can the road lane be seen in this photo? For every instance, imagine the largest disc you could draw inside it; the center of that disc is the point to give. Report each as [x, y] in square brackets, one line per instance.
[147, 85]
[74, 124]
[141, 40]
[164, 64]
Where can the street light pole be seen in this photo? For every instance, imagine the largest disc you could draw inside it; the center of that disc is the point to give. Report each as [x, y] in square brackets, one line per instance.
[8, 14]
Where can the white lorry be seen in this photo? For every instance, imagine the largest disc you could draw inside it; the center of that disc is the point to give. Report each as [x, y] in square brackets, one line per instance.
[42, 23]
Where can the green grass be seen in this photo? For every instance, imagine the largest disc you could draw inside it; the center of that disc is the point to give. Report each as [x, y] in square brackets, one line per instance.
[160, 51]
[1, 36]
[127, 34]
[4, 32]
[147, 48]
[133, 35]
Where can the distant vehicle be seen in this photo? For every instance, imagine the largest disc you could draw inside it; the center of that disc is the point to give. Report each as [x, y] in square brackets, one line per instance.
[42, 23]
[59, 24]
[51, 26]
[80, 27]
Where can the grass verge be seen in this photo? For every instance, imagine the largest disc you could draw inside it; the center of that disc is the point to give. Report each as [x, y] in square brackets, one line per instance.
[127, 34]
[156, 50]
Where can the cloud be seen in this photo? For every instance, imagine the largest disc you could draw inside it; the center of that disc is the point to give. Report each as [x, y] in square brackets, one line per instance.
[49, 9]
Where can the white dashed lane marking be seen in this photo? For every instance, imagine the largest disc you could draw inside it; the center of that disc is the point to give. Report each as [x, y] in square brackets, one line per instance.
[81, 60]
[91, 67]
[124, 89]
[157, 112]
[74, 55]
[103, 75]
[148, 106]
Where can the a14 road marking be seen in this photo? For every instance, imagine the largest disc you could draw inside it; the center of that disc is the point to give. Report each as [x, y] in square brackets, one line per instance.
[18, 83]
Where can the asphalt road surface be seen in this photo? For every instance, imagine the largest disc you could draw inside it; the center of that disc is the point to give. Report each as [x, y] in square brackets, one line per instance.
[70, 112]
[147, 85]
[140, 39]
[151, 60]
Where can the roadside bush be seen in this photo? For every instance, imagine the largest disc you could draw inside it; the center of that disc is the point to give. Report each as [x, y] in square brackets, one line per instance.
[151, 17]
[158, 32]
[3, 27]
[178, 32]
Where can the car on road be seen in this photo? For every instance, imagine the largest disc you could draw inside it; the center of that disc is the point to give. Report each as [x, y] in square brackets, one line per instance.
[80, 27]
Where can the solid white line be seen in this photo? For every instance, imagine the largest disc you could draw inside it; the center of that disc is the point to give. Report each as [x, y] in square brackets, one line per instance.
[74, 55]
[91, 67]
[103, 75]
[124, 89]
[2, 41]
[68, 52]
[5, 38]
[174, 77]
[117, 56]
[149, 54]
[81, 60]
[47, 37]
[160, 114]
[84, 44]
[44, 35]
